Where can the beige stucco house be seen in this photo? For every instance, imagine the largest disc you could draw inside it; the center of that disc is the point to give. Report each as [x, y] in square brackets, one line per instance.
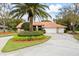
[49, 27]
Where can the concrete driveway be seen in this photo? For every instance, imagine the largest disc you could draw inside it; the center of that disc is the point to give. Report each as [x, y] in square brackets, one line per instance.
[58, 45]
[3, 41]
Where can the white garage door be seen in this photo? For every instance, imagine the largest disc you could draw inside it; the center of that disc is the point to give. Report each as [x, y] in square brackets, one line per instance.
[61, 30]
[54, 30]
[51, 30]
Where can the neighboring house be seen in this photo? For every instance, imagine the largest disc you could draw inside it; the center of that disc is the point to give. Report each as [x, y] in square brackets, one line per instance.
[49, 27]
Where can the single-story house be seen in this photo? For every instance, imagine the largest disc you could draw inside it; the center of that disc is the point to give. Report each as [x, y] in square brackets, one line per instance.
[49, 27]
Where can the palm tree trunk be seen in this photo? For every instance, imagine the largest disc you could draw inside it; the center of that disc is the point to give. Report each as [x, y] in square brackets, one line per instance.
[31, 24]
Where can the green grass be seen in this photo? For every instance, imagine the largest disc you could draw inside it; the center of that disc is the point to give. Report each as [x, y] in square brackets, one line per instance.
[16, 37]
[12, 45]
[76, 36]
[5, 35]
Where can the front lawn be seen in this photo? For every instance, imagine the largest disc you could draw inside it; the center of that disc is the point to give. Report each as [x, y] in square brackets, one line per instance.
[76, 36]
[18, 42]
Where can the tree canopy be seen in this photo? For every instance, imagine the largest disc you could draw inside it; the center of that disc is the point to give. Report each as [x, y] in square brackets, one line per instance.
[33, 10]
[69, 16]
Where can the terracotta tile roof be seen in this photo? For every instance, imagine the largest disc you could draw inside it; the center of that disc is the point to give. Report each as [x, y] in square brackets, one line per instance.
[38, 24]
[44, 24]
[49, 24]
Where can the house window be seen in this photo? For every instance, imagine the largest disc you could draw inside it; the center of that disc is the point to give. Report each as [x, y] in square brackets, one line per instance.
[40, 27]
[34, 28]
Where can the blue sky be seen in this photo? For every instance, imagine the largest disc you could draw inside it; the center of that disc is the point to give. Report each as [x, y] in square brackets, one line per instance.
[54, 8]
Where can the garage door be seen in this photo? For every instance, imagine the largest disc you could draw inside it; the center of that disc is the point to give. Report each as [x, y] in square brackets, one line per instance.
[61, 30]
[50, 30]
[54, 30]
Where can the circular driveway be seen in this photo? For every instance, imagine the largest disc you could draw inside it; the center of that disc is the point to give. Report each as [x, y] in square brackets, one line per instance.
[57, 45]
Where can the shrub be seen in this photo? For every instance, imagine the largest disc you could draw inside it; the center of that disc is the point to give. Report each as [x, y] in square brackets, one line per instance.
[16, 37]
[44, 31]
[38, 37]
[27, 33]
[28, 38]
[25, 26]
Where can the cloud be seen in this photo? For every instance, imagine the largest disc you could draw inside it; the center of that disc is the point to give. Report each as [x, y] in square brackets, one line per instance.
[54, 8]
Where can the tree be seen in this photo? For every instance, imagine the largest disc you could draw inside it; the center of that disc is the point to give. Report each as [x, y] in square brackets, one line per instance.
[4, 14]
[69, 17]
[12, 23]
[33, 10]
[25, 26]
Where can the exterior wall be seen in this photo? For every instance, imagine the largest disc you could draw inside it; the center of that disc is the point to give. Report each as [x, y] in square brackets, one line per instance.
[51, 30]
[19, 30]
[54, 30]
[61, 30]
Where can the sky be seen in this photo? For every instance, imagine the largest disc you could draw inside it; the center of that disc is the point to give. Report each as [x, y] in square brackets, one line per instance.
[53, 9]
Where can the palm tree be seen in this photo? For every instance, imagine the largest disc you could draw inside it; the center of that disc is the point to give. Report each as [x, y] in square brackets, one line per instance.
[33, 10]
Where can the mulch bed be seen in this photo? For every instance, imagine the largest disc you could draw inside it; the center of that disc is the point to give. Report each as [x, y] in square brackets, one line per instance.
[29, 41]
[6, 33]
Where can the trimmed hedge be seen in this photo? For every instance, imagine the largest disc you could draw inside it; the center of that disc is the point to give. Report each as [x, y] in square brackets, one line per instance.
[28, 33]
[28, 38]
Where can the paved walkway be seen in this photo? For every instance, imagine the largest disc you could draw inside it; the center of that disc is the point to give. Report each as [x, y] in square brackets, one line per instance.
[3, 41]
[58, 45]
